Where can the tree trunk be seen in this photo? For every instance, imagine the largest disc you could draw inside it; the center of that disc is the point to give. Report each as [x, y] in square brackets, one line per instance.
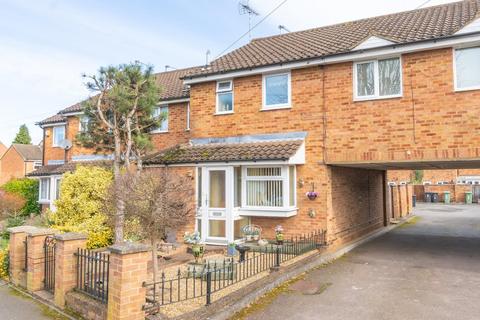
[120, 202]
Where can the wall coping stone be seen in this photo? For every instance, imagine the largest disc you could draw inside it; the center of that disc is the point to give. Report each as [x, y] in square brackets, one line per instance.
[20, 229]
[41, 232]
[70, 236]
[128, 248]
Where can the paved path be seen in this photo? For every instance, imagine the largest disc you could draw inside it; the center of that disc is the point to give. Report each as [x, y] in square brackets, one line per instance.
[426, 270]
[14, 306]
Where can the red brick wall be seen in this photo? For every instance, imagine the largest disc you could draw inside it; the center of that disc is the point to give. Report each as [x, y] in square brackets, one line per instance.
[177, 133]
[356, 204]
[445, 121]
[177, 125]
[12, 166]
[399, 175]
[247, 119]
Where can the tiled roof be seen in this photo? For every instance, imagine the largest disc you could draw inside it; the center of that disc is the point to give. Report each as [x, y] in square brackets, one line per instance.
[222, 152]
[170, 82]
[404, 27]
[28, 152]
[59, 169]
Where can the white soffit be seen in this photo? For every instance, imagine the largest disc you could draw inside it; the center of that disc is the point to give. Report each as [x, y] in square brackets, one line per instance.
[373, 42]
[473, 26]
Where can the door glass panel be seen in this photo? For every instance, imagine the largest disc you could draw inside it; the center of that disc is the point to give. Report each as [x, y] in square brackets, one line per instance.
[217, 189]
[216, 228]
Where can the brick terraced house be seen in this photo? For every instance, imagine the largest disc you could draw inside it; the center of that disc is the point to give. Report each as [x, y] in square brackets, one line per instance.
[66, 124]
[328, 111]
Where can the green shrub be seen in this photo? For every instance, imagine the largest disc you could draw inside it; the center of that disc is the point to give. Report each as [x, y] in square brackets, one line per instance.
[79, 208]
[28, 189]
[14, 221]
[4, 263]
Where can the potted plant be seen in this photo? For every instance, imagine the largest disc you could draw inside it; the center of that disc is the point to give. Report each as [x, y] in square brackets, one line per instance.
[312, 195]
[279, 234]
[196, 245]
[231, 251]
[248, 235]
[256, 235]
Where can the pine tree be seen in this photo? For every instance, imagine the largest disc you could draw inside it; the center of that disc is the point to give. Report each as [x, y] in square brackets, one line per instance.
[23, 136]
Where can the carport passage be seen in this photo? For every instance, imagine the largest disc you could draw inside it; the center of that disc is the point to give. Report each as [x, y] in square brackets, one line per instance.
[425, 270]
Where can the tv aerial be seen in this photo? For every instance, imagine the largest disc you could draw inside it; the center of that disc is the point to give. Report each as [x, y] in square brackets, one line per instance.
[245, 8]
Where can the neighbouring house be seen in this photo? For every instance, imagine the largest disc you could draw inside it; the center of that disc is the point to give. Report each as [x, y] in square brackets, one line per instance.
[19, 160]
[3, 148]
[300, 129]
[67, 123]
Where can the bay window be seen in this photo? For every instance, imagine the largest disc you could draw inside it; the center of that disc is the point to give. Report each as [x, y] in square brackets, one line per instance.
[269, 187]
[276, 91]
[467, 68]
[224, 97]
[44, 192]
[377, 79]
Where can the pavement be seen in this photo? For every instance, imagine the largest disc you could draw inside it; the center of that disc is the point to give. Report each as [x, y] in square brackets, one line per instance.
[16, 306]
[426, 269]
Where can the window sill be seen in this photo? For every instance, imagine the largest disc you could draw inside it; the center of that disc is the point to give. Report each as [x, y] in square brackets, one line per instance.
[357, 99]
[268, 212]
[276, 108]
[223, 113]
[467, 89]
[155, 132]
[44, 201]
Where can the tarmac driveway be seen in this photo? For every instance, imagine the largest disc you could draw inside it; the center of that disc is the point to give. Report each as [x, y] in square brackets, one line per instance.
[428, 269]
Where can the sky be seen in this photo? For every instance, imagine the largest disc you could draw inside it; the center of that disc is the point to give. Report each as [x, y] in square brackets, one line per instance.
[46, 45]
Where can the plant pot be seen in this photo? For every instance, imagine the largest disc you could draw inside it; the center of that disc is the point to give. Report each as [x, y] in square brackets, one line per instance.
[312, 196]
[256, 237]
[279, 237]
[197, 251]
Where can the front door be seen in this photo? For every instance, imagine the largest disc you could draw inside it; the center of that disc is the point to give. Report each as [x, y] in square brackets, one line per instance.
[217, 205]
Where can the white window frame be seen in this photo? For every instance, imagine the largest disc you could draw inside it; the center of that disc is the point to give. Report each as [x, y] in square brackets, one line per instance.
[40, 190]
[220, 91]
[454, 61]
[164, 106]
[57, 143]
[188, 117]
[286, 105]
[376, 95]
[57, 184]
[284, 177]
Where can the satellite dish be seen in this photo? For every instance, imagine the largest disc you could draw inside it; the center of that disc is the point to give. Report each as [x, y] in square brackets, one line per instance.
[66, 144]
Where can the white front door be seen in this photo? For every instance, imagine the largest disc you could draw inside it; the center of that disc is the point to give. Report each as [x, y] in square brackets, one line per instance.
[217, 205]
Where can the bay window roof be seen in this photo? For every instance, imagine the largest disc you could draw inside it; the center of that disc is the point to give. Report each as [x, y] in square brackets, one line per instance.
[226, 152]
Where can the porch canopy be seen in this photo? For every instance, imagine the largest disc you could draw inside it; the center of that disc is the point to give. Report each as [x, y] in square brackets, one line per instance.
[223, 151]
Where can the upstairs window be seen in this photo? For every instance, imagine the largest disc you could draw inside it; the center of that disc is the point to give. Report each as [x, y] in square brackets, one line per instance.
[83, 123]
[377, 79]
[276, 91]
[161, 113]
[58, 136]
[467, 68]
[224, 97]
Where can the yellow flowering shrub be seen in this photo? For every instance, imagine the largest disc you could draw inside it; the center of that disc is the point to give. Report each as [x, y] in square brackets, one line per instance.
[79, 208]
[4, 263]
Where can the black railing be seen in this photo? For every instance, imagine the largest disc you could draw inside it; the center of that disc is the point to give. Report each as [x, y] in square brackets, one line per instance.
[49, 267]
[203, 280]
[92, 273]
